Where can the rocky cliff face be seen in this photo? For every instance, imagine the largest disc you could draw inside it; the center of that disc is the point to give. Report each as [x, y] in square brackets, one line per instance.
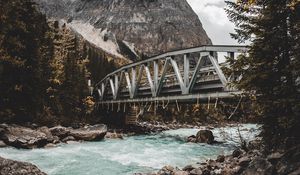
[131, 28]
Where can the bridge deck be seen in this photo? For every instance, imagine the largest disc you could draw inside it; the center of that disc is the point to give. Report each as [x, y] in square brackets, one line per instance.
[178, 76]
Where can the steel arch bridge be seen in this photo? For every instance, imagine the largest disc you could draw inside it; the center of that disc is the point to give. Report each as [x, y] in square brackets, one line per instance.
[182, 75]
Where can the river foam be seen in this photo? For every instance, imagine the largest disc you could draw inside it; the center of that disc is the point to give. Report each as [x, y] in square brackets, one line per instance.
[133, 154]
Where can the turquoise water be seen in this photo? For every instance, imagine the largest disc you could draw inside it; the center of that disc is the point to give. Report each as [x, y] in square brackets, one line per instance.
[132, 154]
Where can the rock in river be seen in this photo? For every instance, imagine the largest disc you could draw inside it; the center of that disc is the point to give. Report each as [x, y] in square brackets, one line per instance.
[90, 133]
[205, 136]
[11, 167]
[22, 137]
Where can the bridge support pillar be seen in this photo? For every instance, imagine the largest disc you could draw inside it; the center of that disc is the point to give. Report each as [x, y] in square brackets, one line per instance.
[132, 115]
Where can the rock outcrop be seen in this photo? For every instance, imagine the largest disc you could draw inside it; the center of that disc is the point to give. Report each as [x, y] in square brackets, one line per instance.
[11, 167]
[130, 28]
[28, 138]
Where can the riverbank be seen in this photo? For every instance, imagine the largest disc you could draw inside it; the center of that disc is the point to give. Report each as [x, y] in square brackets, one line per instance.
[132, 154]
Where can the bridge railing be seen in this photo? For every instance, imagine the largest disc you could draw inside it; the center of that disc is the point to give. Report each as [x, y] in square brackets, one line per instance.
[181, 72]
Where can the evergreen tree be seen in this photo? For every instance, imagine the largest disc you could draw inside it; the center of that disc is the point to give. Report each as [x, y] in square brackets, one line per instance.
[22, 31]
[271, 69]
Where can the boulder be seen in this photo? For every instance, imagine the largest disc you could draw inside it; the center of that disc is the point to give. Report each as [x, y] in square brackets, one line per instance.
[220, 158]
[244, 161]
[11, 167]
[113, 135]
[205, 136]
[259, 166]
[69, 138]
[237, 152]
[196, 171]
[22, 137]
[2, 144]
[166, 170]
[90, 133]
[46, 131]
[60, 131]
[179, 172]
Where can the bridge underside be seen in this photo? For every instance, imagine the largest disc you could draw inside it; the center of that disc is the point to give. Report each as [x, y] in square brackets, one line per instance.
[190, 75]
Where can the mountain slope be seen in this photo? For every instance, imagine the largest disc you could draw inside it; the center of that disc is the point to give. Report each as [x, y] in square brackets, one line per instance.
[131, 28]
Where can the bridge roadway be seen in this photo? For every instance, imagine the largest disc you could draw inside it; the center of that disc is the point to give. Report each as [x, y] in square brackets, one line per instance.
[186, 75]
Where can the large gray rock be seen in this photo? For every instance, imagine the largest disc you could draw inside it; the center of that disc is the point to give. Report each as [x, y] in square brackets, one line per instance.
[60, 131]
[90, 133]
[11, 167]
[205, 136]
[22, 137]
[145, 26]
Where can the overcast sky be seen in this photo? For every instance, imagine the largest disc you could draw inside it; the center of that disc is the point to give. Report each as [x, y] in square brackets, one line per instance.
[214, 20]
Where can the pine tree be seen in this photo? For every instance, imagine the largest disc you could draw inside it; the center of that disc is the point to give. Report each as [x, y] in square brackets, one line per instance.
[22, 31]
[271, 69]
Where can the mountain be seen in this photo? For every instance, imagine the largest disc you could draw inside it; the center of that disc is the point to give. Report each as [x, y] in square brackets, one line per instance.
[130, 28]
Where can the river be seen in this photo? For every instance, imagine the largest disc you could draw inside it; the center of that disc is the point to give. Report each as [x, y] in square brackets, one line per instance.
[145, 153]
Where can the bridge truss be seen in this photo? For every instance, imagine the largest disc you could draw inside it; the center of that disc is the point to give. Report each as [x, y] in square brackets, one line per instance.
[182, 75]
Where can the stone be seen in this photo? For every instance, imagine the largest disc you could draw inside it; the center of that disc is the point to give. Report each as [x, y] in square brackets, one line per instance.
[90, 133]
[206, 172]
[259, 166]
[22, 137]
[180, 173]
[205, 136]
[2, 144]
[191, 138]
[113, 135]
[60, 131]
[220, 158]
[46, 131]
[166, 170]
[72, 142]
[191, 167]
[69, 138]
[244, 161]
[237, 152]
[11, 167]
[196, 171]
[274, 157]
[50, 145]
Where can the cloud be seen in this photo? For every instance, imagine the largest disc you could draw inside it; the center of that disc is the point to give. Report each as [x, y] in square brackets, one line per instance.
[214, 20]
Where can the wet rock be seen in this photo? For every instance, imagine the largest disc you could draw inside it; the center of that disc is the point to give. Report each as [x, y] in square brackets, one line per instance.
[180, 173]
[90, 133]
[220, 158]
[50, 145]
[166, 170]
[191, 138]
[60, 131]
[72, 142]
[21, 137]
[237, 152]
[191, 167]
[69, 138]
[113, 135]
[2, 144]
[205, 136]
[259, 166]
[46, 131]
[244, 161]
[196, 171]
[205, 172]
[11, 167]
